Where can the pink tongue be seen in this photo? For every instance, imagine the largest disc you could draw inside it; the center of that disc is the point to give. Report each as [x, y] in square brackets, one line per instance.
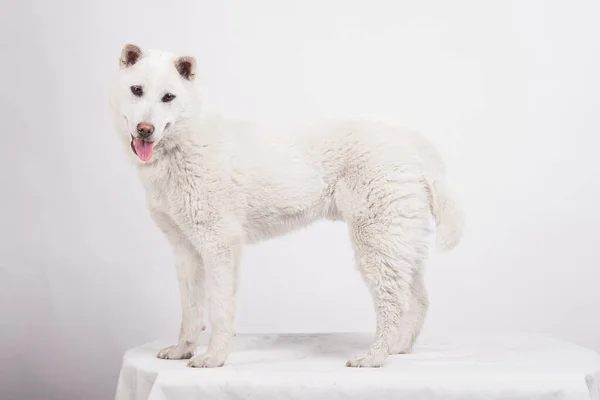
[143, 149]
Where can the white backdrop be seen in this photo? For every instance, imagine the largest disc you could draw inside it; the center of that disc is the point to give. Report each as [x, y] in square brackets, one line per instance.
[509, 91]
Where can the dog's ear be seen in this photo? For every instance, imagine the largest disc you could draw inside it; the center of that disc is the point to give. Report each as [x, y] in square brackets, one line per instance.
[186, 66]
[130, 55]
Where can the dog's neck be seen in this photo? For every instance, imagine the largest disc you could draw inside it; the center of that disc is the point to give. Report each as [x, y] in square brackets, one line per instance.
[189, 143]
[175, 142]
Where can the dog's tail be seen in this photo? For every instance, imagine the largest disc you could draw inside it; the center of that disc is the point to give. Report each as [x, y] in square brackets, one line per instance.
[448, 216]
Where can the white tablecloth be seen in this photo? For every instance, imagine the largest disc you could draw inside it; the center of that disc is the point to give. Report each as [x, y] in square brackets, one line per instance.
[266, 367]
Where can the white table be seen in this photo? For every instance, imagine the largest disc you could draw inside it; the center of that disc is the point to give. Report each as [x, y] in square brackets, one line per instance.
[266, 367]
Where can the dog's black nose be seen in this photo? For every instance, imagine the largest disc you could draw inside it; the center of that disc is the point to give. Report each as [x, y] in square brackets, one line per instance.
[145, 129]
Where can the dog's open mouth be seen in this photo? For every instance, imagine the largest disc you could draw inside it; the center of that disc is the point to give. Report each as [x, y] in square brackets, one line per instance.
[142, 148]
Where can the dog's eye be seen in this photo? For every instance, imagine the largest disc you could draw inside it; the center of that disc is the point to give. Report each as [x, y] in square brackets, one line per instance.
[137, 90]
[168, 97]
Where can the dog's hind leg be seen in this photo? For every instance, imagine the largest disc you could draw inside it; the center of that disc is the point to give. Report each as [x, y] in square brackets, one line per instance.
[390, 228]
[412, 321]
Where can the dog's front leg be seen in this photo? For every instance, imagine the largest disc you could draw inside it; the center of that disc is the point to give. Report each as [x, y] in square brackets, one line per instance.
[221, 260]
[191, 278]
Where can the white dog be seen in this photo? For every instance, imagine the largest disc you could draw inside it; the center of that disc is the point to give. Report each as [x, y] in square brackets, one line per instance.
[213, 186]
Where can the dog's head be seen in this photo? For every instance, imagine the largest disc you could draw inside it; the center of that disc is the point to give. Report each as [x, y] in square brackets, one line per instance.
[153, 94]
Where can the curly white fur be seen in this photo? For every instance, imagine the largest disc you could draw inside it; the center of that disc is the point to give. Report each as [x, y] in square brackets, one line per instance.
[215, 185]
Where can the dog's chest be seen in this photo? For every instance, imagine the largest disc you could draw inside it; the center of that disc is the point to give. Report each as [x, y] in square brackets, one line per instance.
[158, 199]
[159, 191]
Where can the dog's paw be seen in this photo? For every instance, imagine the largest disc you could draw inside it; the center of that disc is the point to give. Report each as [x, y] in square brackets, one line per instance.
[365, 361]
[207, 361]
[176, 353]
